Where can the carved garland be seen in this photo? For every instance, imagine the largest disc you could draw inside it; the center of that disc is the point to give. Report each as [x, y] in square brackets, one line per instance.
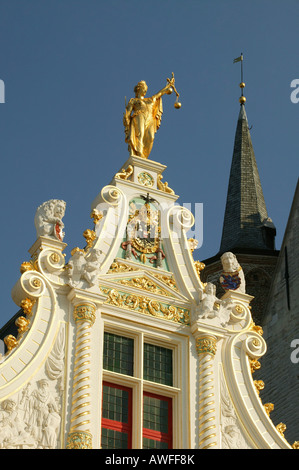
[117, 267]
[146, 306]
[145, 284]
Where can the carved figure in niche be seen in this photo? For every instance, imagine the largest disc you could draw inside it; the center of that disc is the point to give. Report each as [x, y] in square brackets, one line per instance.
[232, 277]
[142, 118]
[48, 219]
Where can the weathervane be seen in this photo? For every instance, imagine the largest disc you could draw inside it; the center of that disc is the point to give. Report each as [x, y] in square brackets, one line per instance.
[142, 117]
[242, 98]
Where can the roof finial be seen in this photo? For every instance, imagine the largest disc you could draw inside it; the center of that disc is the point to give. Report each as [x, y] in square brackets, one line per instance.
[242, 98]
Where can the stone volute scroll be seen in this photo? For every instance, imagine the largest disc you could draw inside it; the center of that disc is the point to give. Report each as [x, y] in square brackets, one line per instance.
[142, 117]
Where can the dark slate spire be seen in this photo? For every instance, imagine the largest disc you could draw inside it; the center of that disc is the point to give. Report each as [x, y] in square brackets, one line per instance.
[246, 223]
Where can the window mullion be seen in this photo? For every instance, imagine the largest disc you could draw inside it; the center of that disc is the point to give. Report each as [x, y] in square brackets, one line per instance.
[138, 409]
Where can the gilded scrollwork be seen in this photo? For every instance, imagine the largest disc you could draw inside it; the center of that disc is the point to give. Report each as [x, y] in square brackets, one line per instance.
[199, 266]
[258, 329]
[27, 306]
[96, 216]
[164, 186]
[90, 237]
[124, 174]
[145, 179]
[168, 280]
[269, 407]
[22, 323]
[259, 385]
[145, 284]
[117, 267]
[10, 342]
[254, 365]
[281, 428]
[85, 312]
[29, 266]
[147, 306]
[206, 345]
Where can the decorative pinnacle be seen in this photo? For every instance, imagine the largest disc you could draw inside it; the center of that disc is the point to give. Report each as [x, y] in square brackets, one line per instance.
[242, 98]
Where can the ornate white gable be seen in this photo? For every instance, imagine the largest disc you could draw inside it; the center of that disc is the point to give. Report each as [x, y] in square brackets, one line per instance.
[137, 274]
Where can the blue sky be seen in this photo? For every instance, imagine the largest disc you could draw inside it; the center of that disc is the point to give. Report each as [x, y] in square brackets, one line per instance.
[67, 66]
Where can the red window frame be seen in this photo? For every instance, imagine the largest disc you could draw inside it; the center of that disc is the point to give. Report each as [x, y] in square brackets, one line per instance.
[157, 435]
[118, 425]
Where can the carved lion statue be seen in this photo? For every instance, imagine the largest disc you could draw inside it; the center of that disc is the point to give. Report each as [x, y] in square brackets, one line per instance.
[48, 219]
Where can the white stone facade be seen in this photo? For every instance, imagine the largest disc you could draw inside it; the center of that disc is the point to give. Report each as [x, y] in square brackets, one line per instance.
[52, 374]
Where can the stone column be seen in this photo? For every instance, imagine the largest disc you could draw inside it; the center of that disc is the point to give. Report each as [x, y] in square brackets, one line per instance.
[80, 436]
[206, 350]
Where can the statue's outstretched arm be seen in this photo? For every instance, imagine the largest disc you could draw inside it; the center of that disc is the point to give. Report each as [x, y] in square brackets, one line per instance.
[167, 90]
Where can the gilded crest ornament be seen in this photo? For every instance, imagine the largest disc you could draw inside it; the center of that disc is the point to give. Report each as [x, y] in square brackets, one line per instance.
[143, 230]
[145, 179]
